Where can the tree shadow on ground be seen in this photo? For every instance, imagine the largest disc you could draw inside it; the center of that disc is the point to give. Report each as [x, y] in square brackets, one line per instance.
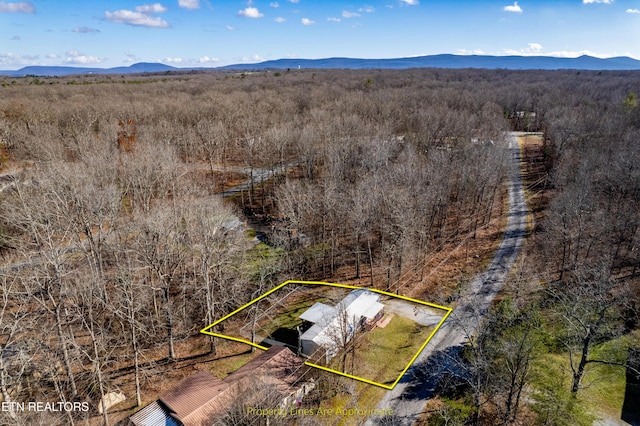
[631, 405]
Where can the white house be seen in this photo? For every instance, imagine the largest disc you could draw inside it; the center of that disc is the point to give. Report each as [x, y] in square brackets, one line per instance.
[334, 326]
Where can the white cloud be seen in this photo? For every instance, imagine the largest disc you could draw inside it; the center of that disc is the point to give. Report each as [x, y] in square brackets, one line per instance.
[189, 4]
[535, 47]
[141, 17]
[533, 50]
[633, 10]
[366, 9]
[347, 14]
[513, 8]
[230, 28]
[575, 54]
[333, 19]
[151, 8]
[128, 17]
[75, 57]
[279, 19]
[597, 1]
[173, 60]
[274, 4]
[307, 21]
[12, 60]
[17, 7]
[207, 60]
[294, 1]
[254, 58]
[85, 30]
[471, 52]
[250, 12]
[130, 57]
[410, 2]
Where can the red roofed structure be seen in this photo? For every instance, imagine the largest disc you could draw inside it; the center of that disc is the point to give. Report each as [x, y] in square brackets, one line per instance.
[201, 397]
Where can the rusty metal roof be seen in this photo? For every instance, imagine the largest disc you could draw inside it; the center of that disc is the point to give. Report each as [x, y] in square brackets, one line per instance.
[197, 399]
[278, 366]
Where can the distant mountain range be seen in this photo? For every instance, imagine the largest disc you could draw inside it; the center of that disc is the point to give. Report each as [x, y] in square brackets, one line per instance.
[141, 67]
[453, 61]
[431, 61]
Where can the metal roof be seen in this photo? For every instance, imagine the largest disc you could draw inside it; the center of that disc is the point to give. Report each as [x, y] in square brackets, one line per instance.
[372, 310]
[361, 303]
[154, 414]
[194, 399]
[357, 304]
[200, 397]
[319, 313]
[277, 366]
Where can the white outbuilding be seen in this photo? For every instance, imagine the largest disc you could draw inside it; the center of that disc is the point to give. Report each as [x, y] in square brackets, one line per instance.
[334, 326]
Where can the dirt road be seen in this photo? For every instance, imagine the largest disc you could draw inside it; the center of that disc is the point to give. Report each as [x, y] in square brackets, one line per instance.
[410, 395]
[256, 176]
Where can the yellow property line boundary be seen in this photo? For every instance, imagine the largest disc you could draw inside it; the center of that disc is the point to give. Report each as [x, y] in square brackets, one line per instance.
[361, 379]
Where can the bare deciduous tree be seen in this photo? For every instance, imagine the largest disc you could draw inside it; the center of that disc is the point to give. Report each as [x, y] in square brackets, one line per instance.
[589, 308]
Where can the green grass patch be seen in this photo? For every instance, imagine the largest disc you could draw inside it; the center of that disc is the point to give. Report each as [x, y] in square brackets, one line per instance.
[262, 259]
[315, 251]
[361, 396]
[369, 396]
[603, 386]
[280, 324]
[289, 318]
[383, 353]
[550, 391]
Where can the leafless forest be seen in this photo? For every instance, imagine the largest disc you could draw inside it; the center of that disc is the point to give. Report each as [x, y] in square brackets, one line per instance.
[117, 245]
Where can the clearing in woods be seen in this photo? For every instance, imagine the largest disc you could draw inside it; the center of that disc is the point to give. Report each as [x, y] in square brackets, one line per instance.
[379, 354]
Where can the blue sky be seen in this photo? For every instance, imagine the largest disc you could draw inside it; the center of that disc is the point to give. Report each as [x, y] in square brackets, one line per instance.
[186, 33]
